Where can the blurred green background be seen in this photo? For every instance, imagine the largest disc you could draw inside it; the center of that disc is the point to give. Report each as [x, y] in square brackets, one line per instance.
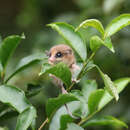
[31, 17]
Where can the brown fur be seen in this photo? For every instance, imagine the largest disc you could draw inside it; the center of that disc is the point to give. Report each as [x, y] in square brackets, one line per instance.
[68, 56]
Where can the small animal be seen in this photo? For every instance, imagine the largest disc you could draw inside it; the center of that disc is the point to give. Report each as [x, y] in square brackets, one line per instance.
[63, 53]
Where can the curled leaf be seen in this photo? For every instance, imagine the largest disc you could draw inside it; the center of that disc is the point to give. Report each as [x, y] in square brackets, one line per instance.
[117, 24]
[92, 23]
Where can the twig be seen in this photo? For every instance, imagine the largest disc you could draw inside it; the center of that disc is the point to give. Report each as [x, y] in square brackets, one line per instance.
[43, 124]
[87, 118]
[82, 70]
[67, 108]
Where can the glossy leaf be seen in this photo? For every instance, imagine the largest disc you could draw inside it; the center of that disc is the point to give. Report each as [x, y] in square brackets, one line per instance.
[14, 97]
[64, 120]
[33, 124]
[121, 84]
[55, 121]
[60, 70]
[4, 110]
[71, 37]
[54, 103]
[94, 100]
[25, 118]
[88, 87]
[117, 24]
[73, 126]
[96, 42]
[108, 44]
[109, 85]
[73, 106]
[105, 120]
[92, 23]
[82, 111]
[26, 62]
[7, 48]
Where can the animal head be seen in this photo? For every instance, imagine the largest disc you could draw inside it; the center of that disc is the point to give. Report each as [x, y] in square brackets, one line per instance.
[61, 53]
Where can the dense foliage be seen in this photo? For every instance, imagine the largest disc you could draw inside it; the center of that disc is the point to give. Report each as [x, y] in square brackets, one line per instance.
[83, 102]
[20, 67]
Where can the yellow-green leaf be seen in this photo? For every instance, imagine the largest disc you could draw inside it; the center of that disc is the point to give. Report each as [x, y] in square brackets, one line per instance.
[92, 23]
[117, 24]
[71, 37]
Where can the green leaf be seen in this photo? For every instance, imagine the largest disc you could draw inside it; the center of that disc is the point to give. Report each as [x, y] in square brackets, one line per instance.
[105, 120]
[64, 120]
[117, 24]
[14, 97]
[60, 70]
[108, 44]
[71, 37]
[96, 42]
[33, 90]
[82, 111]
[33, 124]
[92, 23]
[121, 84]
[25, 118]
[8, 115]
[73, 126]
[4, 109]
[27, 62]
[54, 103]
[88, 87]
[109, 85]
[94, 100]
[7, 48]
[55, 121]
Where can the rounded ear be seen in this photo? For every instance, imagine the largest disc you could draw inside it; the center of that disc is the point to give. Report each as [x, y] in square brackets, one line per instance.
[69, 51]
[47, 53]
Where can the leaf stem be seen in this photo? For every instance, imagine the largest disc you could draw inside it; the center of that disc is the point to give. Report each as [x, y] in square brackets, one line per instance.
[2, 76]
[84, 66]
[43, 124]
[9, 78]
[87, 118]
[82, 70]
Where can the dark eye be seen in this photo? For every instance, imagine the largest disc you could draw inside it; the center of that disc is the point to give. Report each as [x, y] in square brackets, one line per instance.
[58, 54]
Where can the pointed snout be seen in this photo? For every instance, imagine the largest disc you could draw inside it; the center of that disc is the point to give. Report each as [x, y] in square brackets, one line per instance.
[51, 60]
